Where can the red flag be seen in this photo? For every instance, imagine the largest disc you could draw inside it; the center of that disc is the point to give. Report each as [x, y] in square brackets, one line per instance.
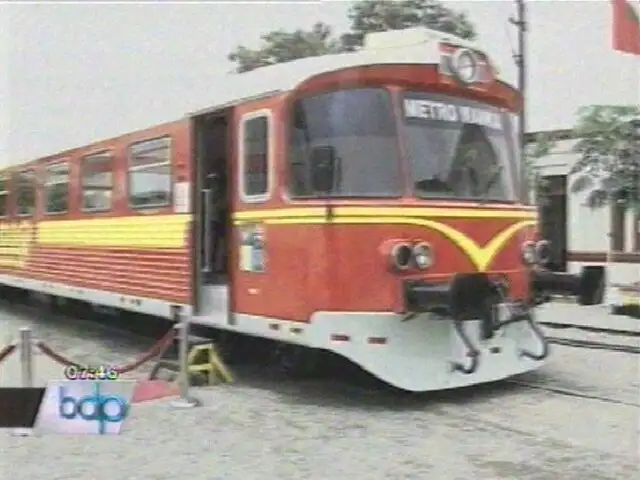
[626, 27]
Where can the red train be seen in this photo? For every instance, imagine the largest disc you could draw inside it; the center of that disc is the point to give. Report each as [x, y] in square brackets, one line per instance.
[363, 203]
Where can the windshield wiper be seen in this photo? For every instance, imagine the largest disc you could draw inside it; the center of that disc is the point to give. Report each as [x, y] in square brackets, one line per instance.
[487, 188]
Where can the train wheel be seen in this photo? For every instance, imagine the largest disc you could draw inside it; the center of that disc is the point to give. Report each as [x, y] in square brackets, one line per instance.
[295, 361]
[17, 295]
[57, 304]
[234, 349]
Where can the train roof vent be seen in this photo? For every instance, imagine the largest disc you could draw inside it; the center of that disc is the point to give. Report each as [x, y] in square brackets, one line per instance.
[407, 37]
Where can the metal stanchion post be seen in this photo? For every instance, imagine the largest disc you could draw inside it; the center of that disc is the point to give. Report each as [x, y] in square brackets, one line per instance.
[185, 400]
[26, 366]
[26, 357]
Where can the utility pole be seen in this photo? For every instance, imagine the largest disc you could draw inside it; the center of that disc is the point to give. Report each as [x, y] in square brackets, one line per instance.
[520, 58]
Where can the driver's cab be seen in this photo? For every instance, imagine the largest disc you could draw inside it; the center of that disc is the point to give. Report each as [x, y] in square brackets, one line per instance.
[436, 146]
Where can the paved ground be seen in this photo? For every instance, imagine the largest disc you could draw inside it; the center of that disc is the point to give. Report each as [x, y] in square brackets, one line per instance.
[595, 316]
[263, 428]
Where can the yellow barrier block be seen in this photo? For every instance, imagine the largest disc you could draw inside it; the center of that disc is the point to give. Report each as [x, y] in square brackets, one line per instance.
[205, 359]
[629, 300]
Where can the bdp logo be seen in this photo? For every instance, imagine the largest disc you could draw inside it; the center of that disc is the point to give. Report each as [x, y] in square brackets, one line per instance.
[85, 407]
[93, 408]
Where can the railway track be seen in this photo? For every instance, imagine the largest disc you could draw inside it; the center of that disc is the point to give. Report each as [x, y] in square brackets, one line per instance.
[571, 392]
[111, 323]
[151, 327]
[588, 328]
[612, 347]
[591, 344]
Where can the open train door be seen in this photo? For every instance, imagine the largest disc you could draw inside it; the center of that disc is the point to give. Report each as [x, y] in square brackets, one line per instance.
[210, 141]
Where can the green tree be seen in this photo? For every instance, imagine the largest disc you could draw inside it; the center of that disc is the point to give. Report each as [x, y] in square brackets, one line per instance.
[366, 16]
[609, 149]
[381, 15]
[281, 46]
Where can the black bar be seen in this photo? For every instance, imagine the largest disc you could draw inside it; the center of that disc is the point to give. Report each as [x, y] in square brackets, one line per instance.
[19, 406]
[424, 296]
[554, 283]
[522, 87]
[196, 140]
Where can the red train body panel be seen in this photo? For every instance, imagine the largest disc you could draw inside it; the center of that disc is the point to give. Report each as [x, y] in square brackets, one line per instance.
[351, 207]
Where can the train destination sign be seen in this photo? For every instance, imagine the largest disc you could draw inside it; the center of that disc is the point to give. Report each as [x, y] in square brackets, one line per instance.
[447, 112]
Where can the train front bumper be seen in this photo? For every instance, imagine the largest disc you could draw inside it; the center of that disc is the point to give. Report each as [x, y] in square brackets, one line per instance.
[473, 298]
[451, 335]
[427, 352]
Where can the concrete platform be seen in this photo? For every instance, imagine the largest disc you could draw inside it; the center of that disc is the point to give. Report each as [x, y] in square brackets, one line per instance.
[596, 316]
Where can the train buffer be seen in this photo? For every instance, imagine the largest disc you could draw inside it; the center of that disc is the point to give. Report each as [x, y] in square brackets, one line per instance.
[205, 365]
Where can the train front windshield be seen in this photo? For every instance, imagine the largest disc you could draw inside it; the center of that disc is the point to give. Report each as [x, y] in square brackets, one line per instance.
[458, 148]
[454, 148]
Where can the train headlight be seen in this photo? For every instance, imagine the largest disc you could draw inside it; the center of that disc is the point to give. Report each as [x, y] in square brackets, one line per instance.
[423, 255]
[543, 251]
[401, 255]
[529, 254]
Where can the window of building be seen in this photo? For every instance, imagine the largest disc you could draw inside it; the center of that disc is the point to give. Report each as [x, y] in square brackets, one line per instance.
[96, 172]
[57, 188]
[255, 158]
[636, 225]
[150, 173]
[4, 196]
[618, 230]
[25, 193]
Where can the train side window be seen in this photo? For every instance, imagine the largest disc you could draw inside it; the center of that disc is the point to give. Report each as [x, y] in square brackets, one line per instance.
[56, 188]
[150, 173]
[255, 156]
[4, 196]
[25, 193]
[96, 174]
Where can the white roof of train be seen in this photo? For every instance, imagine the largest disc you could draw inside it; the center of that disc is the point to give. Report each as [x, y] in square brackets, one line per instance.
[409, 46]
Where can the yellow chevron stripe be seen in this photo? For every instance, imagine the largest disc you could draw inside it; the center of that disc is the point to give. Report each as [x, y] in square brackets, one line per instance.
[481, 256]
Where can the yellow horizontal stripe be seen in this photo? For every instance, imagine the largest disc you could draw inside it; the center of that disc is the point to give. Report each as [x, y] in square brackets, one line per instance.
[15, 239]
[280, 213]
[299, 213]
[154, 231]
[435, 212]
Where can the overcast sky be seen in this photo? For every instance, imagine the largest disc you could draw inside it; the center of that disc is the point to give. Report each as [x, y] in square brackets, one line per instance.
[75, 73]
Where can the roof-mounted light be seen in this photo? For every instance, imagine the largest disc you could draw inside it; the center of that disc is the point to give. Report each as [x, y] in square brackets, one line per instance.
[465, 66]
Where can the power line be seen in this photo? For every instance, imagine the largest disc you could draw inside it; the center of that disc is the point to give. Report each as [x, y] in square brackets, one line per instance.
[520, 22]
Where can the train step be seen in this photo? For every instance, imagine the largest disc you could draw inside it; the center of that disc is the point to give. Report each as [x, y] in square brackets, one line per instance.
[204, 365]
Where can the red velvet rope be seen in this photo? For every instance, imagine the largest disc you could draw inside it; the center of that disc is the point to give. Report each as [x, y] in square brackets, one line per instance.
[6, 351]
[156, 350]
[55, 356]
